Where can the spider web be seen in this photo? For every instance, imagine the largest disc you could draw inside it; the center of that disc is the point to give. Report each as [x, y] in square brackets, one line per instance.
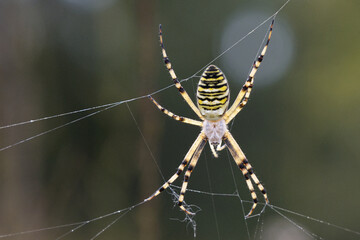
[290, 216]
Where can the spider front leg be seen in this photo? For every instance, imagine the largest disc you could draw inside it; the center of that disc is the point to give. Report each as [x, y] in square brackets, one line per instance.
[191, 167]
[199, 140]
[245, 168]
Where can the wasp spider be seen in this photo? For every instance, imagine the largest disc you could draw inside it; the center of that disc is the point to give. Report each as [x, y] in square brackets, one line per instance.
[213, 100]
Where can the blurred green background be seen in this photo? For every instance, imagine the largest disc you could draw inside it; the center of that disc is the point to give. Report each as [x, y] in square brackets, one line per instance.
[300, 129]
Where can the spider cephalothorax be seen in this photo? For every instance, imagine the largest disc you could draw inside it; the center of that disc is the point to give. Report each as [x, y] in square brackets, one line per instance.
[213, 101]
[214, 131]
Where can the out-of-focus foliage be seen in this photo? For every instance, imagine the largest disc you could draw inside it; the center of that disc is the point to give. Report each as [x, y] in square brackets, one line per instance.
[301, 133]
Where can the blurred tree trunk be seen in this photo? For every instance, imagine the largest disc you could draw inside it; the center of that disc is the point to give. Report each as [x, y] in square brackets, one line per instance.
[147, 218]
[20, 205]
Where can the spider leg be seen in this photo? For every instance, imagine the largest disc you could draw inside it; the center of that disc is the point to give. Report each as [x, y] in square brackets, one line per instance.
[174, 116]
[191, 167]
[175, 79]
[244, 94]
[245, 168]
[181, 167]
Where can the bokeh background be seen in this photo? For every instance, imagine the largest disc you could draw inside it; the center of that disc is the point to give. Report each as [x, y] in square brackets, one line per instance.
[300, 129]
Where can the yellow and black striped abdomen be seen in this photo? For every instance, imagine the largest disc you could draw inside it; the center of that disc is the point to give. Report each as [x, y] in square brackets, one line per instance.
[213, 93]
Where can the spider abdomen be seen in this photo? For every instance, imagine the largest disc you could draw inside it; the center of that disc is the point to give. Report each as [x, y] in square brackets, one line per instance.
[213, 93]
